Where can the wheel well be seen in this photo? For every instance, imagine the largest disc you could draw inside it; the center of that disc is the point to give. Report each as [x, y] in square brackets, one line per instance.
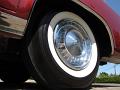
[98, 28]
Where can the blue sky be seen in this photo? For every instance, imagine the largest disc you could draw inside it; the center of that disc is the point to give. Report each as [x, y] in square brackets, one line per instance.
[109, 68]
[114, 4]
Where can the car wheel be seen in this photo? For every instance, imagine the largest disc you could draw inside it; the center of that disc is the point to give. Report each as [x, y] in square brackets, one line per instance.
[63, 52]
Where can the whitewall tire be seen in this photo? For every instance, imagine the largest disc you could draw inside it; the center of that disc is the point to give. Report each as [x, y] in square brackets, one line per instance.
[63, 52]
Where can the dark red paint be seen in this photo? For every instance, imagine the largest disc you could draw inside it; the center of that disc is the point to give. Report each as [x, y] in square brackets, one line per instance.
[9, 4]
[19, 8]
[24, 8]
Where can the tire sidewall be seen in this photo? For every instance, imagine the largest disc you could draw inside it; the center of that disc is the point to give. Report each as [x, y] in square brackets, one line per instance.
[46, 65]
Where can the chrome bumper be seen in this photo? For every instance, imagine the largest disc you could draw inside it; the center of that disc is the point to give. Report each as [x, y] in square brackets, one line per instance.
[12, 26]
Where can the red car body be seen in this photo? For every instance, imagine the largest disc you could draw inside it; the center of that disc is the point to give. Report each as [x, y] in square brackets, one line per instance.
[17, 15]
[111, 18]
[17, 7]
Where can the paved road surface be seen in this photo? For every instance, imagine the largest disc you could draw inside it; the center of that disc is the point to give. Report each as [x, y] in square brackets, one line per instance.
[105, 86]
[31, 85]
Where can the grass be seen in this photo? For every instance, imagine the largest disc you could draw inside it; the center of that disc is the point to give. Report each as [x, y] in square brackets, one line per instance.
[109, 79]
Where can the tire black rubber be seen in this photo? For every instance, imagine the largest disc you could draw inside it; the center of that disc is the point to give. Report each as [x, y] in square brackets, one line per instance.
[43, 67]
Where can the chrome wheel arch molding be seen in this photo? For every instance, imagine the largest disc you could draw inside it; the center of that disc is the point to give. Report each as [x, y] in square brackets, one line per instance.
[101, 19]
[77, 2]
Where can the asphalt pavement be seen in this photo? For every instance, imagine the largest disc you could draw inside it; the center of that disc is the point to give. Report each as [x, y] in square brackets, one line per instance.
[31, 85]
[105, 86]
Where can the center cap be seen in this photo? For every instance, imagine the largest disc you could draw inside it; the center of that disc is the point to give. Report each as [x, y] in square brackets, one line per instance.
[72, 44]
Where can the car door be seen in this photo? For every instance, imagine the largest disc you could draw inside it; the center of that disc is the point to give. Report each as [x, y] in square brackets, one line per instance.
[9, 4]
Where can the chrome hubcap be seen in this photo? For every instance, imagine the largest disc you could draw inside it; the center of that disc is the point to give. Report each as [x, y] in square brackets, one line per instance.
[72, 44]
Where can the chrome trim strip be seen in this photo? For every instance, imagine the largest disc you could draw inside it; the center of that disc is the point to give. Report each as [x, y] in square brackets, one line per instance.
[12, 25]
[113, 58]
[99, 17]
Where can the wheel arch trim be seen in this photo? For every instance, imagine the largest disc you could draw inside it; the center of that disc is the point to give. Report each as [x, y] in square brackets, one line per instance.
[78, 2]
[101, 19]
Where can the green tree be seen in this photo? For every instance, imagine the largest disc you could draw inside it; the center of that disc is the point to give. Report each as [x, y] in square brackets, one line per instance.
[103, 75]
